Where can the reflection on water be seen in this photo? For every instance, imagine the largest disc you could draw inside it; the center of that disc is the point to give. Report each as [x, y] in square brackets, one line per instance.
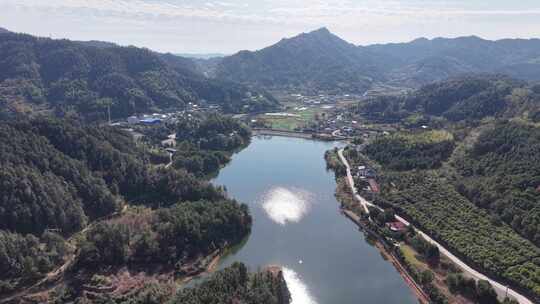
[297, 224]
[283, 205]
[299, 291]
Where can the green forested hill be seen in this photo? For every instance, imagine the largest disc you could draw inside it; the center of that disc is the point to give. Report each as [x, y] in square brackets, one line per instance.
[207, 144]
[457, 99]
[402, 152]
[61, 176]
[501, 172]
[432, 203]
[44, 188]
[314, 61]
[321, 61]
[478, 194]
[236, 285]
[169, 236]
[423, 61]
[38, 74]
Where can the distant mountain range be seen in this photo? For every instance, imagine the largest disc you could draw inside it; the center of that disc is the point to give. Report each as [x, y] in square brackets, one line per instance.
[87, 76]
[321, 61]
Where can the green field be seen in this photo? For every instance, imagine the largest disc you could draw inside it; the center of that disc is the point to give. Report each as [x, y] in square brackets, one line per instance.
[410, 256]
[305, 118]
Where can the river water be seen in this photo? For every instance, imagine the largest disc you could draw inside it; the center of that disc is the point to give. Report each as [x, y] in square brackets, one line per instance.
[297, 225]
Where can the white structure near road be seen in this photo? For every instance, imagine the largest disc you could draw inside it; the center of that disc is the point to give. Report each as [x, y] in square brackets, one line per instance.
[501, 289]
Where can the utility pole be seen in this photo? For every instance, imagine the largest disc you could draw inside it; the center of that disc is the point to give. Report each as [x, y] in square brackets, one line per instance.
[109, 112]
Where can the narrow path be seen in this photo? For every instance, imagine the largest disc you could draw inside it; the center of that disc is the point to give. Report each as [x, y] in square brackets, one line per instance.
[170, 162]
[350, 180]
[501, 289]
[53, 275]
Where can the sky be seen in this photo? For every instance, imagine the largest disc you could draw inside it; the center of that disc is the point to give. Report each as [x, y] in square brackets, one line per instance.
[227, 26]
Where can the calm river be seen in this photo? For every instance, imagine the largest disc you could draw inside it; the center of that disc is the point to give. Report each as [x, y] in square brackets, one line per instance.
[297, 225]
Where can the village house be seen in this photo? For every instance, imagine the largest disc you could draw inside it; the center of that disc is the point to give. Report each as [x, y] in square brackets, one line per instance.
[365, 172]
[396, 226]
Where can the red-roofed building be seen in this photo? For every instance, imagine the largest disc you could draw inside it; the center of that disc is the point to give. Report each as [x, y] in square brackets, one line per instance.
[374, 186]
[396, 226]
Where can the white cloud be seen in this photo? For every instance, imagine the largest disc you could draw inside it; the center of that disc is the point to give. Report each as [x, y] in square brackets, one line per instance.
[228, 25]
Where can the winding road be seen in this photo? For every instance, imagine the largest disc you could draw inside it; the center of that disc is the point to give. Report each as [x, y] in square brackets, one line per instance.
[501, 289]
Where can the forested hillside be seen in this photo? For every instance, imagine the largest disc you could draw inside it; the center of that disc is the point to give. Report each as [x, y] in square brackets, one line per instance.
[39, 74]
[44, 188]
[309, 62]
[457, 99]
[501, 173]
[169, 236]
[206, 144]
[234, 284]
[426, 150]
[319, 61]
[433, 204]
[59, 177]
[477, 194]
[25, 258]
[422, 61]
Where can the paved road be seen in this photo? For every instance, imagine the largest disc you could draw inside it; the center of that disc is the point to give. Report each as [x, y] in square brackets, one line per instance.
[501, 289]
[350, 180]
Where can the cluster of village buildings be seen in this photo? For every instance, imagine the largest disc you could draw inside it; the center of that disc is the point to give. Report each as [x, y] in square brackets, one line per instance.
[158, 118]
[324, 98]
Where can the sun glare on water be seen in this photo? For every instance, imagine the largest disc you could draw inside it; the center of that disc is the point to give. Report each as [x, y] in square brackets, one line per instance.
[298, 289]
[286, 206]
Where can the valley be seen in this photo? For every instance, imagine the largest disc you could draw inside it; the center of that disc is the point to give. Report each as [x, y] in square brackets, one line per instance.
[135, 176]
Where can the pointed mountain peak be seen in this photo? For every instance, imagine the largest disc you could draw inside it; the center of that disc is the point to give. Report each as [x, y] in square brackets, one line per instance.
[322, 30]
[320, 34]
[320, 38]
[420, 40]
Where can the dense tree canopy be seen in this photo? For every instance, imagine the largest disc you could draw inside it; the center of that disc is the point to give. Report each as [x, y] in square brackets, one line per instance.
[171, 236]
[44, 188]
[63, 176]
[501, 172]
[236, 285]
[464, 98]
[206, 143]
[233, 284]
[67, 76]
[424, 150]
[434, 205]
[28, 257]
[481, 202]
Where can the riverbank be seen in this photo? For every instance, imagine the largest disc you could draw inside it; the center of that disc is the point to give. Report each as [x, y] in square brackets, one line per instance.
[501, 290]
[295, 134]
[347, 207]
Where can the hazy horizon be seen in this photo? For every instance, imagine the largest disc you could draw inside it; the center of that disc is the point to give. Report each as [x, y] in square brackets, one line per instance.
[228, 26]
